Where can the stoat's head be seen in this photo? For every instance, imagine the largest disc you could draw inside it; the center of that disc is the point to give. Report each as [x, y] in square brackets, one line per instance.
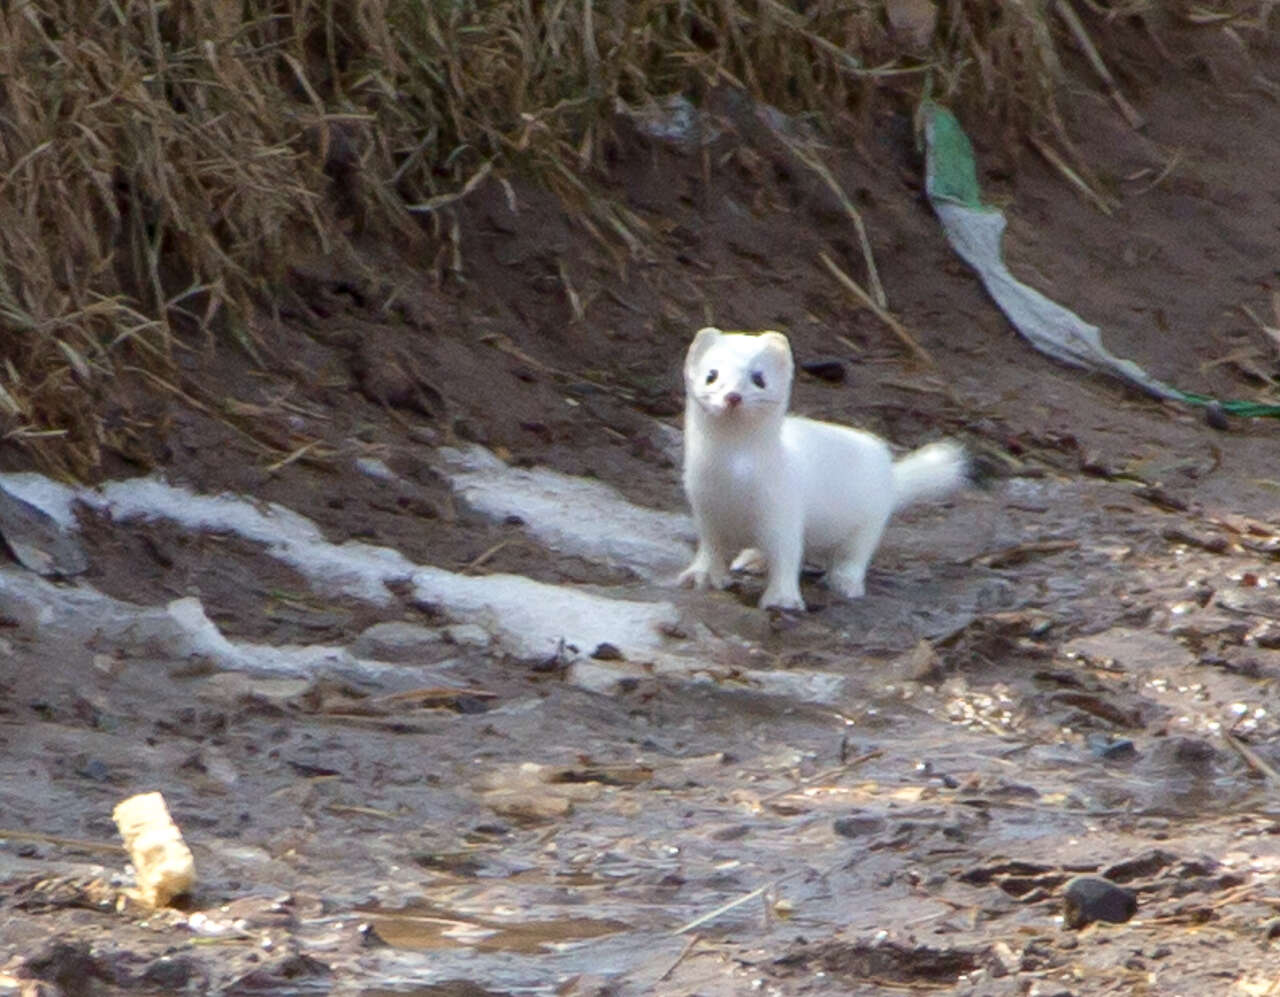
[739, 378]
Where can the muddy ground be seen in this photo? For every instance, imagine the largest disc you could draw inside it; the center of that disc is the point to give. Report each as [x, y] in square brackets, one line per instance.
[1072, 673]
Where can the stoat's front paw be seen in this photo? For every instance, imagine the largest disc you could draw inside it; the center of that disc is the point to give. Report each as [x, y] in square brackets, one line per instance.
[789, 601]
[697, 576]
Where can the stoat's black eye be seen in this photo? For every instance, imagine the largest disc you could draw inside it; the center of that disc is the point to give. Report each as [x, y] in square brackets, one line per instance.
[757, 379]
[712, 375]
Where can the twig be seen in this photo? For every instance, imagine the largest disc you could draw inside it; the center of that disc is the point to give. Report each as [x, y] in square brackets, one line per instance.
[1168, 168]
[684, 952]
[738, 902]
[440, 200]
[822, 776]
[575, 300]
[297, 454]
[482, 559]
[864, 241]
[1019, 553]
[1255, 761]
[342, 808]
[898, 329]
[1068, 14]
[1072, 176]
[748, 897]
[53, 839]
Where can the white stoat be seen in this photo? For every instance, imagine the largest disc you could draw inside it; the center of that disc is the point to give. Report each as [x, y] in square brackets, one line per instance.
[784, 486]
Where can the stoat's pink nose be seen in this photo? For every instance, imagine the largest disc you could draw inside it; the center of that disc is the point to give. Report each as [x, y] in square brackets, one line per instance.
[733, 399]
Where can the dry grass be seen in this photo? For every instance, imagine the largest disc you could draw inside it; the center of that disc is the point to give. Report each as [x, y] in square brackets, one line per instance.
[162, 160]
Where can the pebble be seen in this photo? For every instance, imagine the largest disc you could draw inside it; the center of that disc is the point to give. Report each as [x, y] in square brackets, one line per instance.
[825, 370]
[1148, 863]
[857, 826]
[1119, 749]
[1186, 752]
[171, 974]
[1092, 898]
[1216, 416]
[395, 641]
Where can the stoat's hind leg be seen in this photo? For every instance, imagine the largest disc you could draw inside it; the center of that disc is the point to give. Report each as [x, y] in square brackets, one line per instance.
[847, 574]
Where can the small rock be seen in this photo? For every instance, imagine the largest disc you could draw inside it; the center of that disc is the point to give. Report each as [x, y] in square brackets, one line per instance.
[171, 974]
[825, 370]
[1268, 636]
[1036, 954]
[733, 832]
[1109, 749]
[70, 966]
[857, 826]
[467, 635]
[1003, 960]
[607, 652]
[96, 770]
[38, 541]
[284, 975]
[395, 642]
[1192, 752]
[1216, 417]
[1148, 863]
[1092, 898]
[1271, 929]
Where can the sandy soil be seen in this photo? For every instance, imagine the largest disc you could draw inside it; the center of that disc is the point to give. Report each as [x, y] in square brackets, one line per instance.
[1073, 673]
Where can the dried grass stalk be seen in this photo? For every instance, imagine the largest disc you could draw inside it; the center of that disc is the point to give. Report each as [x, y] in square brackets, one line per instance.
[161, 163]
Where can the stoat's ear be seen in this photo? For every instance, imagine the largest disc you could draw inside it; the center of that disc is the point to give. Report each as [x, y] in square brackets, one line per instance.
[778, 346]
[701, 343]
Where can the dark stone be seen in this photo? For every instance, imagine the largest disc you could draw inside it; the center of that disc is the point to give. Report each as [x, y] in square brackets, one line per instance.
[1216, 417]
[470, 705]
[170, 974]
[984, 874]
[1150, 862]
[275, 977]
[1197, 867]
[1111, 750]
[1092, 898]
[96, 770]
[607, 652]
[825, 370]
[1036, 954]
[857, 826]
[1192, 752]
[70, 966]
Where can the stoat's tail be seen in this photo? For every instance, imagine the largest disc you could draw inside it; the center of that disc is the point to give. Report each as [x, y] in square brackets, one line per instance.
[932, 472]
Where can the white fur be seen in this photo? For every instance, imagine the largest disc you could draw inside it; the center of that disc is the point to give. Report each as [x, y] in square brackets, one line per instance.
[772, 488]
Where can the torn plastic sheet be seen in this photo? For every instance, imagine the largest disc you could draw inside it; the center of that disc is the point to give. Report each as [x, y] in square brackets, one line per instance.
[975, 231]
